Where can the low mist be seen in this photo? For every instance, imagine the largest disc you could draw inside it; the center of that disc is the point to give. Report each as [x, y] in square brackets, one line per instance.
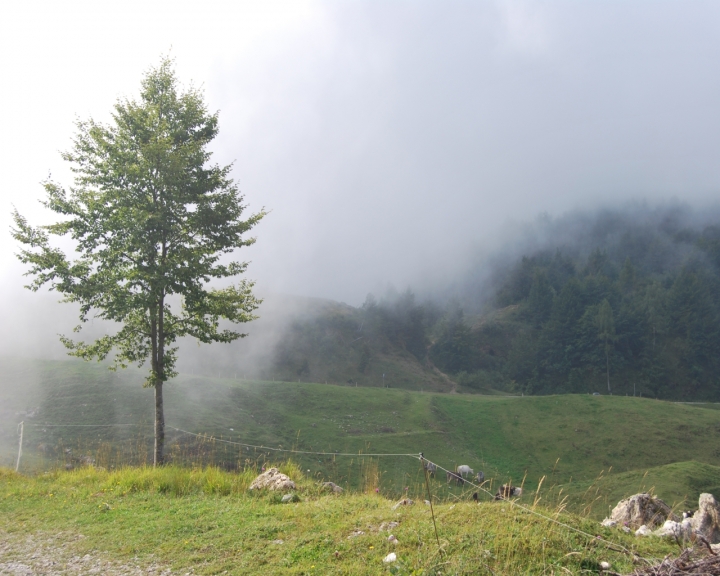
[397, 146]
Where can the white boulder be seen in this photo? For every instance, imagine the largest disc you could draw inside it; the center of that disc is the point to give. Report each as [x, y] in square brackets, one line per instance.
[272, 480]
[680, 530]
[642, 509]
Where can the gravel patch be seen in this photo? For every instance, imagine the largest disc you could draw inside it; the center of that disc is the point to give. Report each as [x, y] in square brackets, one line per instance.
[55, 554]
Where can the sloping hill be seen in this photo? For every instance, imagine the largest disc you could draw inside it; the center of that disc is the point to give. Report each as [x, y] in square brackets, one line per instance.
[568, 439]
[578, 436]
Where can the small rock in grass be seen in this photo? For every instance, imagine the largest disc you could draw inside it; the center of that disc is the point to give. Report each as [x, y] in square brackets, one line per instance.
[278, 541]
[332, 486]
[388, 526]
[643, 531]
[355, 534]
[605, 565]
[403, 502]
[609, 523]
[392, 540]
[682, 530]
[289, 498]
[390, 558]
[642, 509]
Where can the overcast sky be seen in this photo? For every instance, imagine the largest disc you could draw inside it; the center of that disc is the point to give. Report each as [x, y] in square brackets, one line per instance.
[389, 139]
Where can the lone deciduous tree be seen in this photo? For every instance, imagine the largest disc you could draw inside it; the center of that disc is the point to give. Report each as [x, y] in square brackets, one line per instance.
[150, 219]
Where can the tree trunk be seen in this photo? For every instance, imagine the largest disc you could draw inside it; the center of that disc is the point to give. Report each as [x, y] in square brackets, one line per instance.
[158, 458]
[159, 414]
[157, 337]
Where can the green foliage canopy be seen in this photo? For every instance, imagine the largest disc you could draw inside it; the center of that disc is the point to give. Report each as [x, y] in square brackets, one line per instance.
[150, 219]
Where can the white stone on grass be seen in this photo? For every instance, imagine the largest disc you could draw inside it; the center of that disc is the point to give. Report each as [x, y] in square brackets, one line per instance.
[390, 558]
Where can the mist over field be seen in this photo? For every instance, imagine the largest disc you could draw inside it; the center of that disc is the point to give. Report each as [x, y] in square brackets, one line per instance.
[397, 145]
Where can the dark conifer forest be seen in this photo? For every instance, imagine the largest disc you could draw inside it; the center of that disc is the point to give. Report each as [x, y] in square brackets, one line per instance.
[613, 302]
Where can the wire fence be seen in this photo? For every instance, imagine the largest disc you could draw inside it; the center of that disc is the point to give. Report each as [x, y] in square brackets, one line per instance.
[53, 445]
[515, 503]
[363, 470]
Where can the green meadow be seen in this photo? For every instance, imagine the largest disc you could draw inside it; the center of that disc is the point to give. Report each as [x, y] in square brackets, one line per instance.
[579, 446]
[205, 521]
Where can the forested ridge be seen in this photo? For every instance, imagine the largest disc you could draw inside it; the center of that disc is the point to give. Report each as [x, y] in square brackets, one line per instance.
[626, 304]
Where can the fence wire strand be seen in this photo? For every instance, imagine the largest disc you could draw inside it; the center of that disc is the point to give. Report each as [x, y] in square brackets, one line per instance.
[260, 447]
[418, 456]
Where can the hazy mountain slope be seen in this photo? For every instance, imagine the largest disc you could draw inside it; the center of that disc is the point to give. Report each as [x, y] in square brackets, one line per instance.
[314, 340]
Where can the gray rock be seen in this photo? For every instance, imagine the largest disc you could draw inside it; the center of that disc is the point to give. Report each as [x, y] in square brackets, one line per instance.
[706, 521]
[390, 558]
[642, 509]
[388, 526]
[403, 502]
[288, 498]
[272, 480]
[679, 530]
[332, 486]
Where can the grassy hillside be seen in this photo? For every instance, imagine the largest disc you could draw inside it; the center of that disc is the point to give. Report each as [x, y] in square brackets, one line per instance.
[206, 522]
[570, 440]
[578, 436]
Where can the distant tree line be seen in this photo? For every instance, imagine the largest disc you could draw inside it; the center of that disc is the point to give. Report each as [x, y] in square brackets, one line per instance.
[641, 317]
[399, 320]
